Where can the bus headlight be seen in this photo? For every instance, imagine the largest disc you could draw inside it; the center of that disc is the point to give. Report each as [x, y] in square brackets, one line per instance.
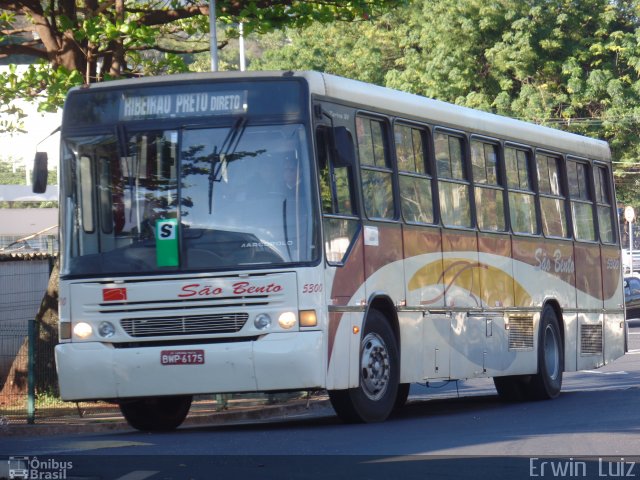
[82, 330]
[262, 321]
[287, 320]
[106, 329]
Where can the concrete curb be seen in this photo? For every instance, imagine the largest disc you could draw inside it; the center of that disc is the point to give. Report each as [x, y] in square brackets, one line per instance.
[195, 418]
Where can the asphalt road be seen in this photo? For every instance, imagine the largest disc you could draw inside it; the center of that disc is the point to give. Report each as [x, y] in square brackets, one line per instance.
[454, 430]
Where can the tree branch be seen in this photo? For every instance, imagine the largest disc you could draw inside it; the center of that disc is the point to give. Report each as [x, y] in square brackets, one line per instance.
[177, 50]
[31, 49]
[162, 17]
[16, 31]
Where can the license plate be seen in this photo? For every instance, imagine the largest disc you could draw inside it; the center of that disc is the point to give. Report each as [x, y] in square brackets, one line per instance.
[182, 357]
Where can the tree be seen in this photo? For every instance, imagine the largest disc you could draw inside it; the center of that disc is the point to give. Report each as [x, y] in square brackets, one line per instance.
[364, 50]
[566, 64]
[88, 41]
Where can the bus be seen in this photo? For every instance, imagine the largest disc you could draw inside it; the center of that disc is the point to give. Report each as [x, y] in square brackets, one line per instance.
[289, 231]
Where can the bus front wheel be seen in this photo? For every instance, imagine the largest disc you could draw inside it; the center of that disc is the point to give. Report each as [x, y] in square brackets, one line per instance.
[375, 397]
[156, 413]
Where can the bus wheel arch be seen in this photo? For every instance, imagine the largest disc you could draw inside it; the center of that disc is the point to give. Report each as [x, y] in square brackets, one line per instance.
[379, 371]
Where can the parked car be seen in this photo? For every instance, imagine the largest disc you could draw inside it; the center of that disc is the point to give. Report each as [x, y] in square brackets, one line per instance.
[632, 296]
[629, 260]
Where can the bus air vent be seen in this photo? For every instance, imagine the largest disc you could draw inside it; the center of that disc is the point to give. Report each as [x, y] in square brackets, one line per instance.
[591, 339]
[520, 333]
[182, 325]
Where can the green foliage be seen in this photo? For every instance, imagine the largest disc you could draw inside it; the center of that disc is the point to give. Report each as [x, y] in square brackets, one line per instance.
[85, 42]
[566, 64]
[361, 50]
[41, 82]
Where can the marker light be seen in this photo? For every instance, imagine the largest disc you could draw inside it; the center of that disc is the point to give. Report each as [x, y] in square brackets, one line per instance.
[65, 330]
[308, 318]
[262, 321]
[82, 330]
[287, 320]
[106, 329]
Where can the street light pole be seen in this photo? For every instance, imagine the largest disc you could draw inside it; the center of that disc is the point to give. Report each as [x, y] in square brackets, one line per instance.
[241, 42]
[630, 216]
[213, 36]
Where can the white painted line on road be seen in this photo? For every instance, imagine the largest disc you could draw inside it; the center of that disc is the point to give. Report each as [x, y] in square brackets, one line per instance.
[598, 372]
[634, 352]
[99, 444]
[138, 475]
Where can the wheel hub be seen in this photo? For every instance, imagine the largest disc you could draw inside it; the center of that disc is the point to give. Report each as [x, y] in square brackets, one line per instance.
[375, 368]
[551, 353]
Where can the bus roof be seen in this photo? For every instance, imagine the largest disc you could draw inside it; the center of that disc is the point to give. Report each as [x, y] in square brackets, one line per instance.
[407, 105]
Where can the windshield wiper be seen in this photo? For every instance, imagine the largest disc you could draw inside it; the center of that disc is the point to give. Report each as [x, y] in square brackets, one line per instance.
[227, 148]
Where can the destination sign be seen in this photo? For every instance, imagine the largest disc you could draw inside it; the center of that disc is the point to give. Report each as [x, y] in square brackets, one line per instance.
[175, 105]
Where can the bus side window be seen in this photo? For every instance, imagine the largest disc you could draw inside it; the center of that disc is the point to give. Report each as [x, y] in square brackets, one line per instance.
[552, 198]
[416, 199]
[338, 208]
[375, 168]
[488, 187]
[603, 204]
[455, 206]
[581, 206]
[522, 205]
[336, 185]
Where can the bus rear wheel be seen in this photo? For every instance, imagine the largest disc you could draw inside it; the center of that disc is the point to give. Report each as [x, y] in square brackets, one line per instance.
[375, 397]
[156, 413]
[547, 383]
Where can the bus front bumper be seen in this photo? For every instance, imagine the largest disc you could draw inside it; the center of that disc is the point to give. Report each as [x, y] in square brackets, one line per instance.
[278, 361]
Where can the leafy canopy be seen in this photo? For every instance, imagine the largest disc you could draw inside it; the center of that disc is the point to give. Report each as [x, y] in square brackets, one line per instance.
[566, 64]
[70, 42]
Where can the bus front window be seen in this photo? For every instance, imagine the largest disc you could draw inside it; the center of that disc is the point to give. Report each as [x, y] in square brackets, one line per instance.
[240, 195]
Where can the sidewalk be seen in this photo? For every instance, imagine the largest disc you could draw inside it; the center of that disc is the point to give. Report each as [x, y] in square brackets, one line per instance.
[202, 413]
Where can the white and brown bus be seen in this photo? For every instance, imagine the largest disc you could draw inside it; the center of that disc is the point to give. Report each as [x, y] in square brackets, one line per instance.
[275, 231]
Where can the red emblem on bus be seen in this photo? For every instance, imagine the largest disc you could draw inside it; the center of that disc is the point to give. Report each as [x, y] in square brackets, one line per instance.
[114, 294]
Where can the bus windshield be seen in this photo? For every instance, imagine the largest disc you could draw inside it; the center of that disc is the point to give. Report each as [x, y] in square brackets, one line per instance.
[231, 197]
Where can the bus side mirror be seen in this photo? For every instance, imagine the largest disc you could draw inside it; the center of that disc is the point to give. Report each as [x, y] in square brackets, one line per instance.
[40, 172]
[344, 151]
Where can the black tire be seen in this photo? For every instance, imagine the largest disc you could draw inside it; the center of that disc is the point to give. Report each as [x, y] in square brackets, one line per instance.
[511, 389]
[374, 399]
[402, 395]
[547, 383]
[156, 413]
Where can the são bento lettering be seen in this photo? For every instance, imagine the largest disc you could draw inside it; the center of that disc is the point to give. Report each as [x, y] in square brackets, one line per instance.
[238, 288]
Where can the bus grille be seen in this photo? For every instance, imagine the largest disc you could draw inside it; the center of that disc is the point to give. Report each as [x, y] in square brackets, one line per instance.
[591, 339]
[520, 333]
[192, 325]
